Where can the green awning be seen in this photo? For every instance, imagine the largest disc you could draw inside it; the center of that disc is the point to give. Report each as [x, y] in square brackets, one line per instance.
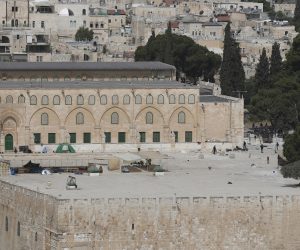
[65, 148]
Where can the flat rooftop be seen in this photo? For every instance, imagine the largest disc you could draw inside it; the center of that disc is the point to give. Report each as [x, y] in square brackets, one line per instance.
[85, 66]
[162, 84]
[188, 176]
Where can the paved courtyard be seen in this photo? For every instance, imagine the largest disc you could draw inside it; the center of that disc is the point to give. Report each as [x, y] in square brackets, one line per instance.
[188, 175]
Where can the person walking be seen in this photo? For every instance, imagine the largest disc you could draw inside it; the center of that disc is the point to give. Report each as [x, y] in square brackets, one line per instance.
[261, 148]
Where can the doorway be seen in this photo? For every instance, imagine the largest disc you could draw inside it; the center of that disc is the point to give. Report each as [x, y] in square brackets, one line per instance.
[9, 142]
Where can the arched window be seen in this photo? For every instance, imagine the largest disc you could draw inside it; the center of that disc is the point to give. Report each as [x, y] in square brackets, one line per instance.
[126, 99]
[172, 99]
[114, 118]
[138, 99]
[6, 224]
[56, 100]
[181, 117]
[45, 100]
[149, 99]
[80, 100]
[44, 119]
[191, 99]
[9, 99]
[149, 118]
[21, 78]
[21, 99]
[19, 229]
[68, 100]
[33, 100]
[79, 118]
[91, 100]
[181, 99]
[103, 100]
[67, 78]
[115, 99]
[160, 99]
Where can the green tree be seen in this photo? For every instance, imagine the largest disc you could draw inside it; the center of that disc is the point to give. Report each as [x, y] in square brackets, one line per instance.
[232, 73]
[84, 34]
[262, 73]
[291, 150]
[181, 51]
[276, 60]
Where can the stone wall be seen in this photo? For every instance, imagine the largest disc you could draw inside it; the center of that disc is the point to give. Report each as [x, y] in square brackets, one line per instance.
[249, 222]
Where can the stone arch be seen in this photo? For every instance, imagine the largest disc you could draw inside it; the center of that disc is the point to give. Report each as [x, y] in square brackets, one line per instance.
[188, 114]
[88, 116]
[35, 119]
[10, 114]
[115, 109]
[150, 109]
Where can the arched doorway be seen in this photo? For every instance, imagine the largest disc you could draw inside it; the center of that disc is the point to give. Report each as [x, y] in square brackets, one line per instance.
[9, 142]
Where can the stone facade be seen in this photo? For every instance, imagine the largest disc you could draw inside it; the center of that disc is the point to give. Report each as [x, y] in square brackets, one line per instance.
[135, 103]
[32, 220]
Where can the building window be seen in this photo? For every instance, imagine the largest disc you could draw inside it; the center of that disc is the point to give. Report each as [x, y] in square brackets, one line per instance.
[126, 100]
[37, 138]
[172, 99]
[42, 24]
[160, 99]
[6, 224]
[107, 137]
[142, 136]
[40, 59]
[14, 8]
[51, 138]
[36, 236]
[72, 137]
[68, 100]
[188, 136]
[191, 99]
[114, 118]
[45, 100]
[86, 137]
[80, 100]
[181, 99]
[115, 100]
[9, 99]
[33, 24]
[138, 99]
[121, 137]
[56, 100]
[103, 100]
[91, 100]
[149, 99]
[181, 117]
[19, 229]
[156, 136]
[44, 119]
[79, 118]
[33, 100]
[149, 118]
[84, 12]
[21, 99]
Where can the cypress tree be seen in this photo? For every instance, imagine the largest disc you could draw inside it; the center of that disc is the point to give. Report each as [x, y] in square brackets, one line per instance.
[276, 59]
[262, 73]
[232, 75]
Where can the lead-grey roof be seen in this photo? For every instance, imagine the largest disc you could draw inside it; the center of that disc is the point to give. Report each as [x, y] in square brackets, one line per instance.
[96, 85]
[214, 98]
[99, 66]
